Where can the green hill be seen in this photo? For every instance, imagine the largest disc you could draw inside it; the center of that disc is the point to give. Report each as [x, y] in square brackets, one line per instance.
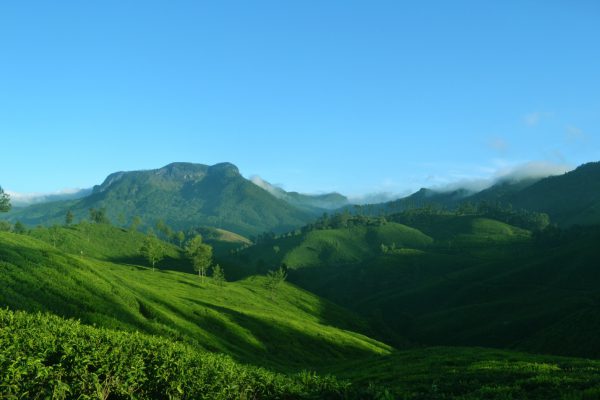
[474, 373]
[328, 247]
[288, 328]
[43, 356]
[184, 195]
[467, 280]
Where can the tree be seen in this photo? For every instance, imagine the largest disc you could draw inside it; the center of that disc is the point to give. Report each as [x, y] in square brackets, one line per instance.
[275, 279]
[163, 228]
[99, 216]
[152, 249]
[69, 217]
[4, 201]
[135, 223]
[218, 275]
[200, 254]
[19, 228]
[55, 235]
[180, 237]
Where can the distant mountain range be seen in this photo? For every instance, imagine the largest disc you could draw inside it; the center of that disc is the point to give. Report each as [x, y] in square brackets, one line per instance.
[186, 195]
[572, 198]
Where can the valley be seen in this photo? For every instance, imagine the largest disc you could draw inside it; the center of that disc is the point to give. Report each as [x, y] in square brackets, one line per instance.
[471, 300]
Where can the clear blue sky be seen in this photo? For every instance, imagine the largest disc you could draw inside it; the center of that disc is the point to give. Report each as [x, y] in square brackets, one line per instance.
[358, 97]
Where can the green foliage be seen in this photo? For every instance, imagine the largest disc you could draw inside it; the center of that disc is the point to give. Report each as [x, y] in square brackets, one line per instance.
[19, 228]
[200, 254]
[69, 217]
[99, 216]
[275, 279]
[184, 196]
[218, 275]
[4, 201]
[239, 318]
[136, 221]
[152, 249]
[42, 356]
[476, 373]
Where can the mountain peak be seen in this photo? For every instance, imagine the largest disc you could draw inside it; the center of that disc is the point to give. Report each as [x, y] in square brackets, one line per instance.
[224, 168]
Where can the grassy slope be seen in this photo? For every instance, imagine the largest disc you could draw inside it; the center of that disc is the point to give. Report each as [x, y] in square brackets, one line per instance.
[481, 282]
[291, 328]
[43, 356]
[330, 247]
[473, 373]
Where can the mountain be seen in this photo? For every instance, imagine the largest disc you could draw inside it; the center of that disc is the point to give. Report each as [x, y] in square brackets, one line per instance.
[185, 195]
[569, 199]
[318, 203]
[572, 198]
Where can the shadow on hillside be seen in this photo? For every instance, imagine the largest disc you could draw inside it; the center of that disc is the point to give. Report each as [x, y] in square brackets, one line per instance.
[166, 264]
[37, 279]
[297, 349]
[267, 341]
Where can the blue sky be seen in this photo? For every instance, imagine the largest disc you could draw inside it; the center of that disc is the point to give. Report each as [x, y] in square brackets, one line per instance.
[358, 97]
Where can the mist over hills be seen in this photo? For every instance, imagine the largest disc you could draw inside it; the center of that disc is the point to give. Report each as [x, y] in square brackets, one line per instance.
[188, 195]
[571, 198]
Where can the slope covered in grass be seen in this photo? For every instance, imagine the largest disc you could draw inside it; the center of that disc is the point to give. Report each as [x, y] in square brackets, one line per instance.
[473, 373]
[478, 282]
[286, 328]
[329, 247]
[43, 356]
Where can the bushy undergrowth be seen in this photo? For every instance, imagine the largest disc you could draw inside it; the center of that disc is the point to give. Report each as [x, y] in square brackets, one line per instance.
[44, 356]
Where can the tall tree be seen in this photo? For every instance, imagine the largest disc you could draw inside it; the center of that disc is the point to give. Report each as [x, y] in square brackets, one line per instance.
[4, 201]
[200, 254]
[180, 237]
[152, 249]
[69, 217]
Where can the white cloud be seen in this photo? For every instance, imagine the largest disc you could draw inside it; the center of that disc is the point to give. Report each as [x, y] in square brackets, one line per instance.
[534, 118]
[26, 199]
[575, 134]
[499, 144]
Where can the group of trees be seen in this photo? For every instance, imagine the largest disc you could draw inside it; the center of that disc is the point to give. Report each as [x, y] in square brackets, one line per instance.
[199, 253]
[4, 201]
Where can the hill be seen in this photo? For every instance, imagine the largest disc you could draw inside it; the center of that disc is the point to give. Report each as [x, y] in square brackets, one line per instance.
[326, 247]
[43, 356]
[469, 281]
[183, 195]
[572, 198]
[286, 328]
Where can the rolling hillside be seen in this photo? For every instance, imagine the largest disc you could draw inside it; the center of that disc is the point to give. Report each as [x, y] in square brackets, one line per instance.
[467, 280]
[243, 319]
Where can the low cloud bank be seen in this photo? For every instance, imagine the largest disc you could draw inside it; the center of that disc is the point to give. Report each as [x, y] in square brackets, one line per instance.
[515, 173]
[27, 199]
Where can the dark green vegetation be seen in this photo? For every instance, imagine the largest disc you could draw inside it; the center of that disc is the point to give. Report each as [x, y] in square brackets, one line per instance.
[184, 195]
[452, 279]
[569, 199]
[473, 373]
[359, 295]
[43, 356]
